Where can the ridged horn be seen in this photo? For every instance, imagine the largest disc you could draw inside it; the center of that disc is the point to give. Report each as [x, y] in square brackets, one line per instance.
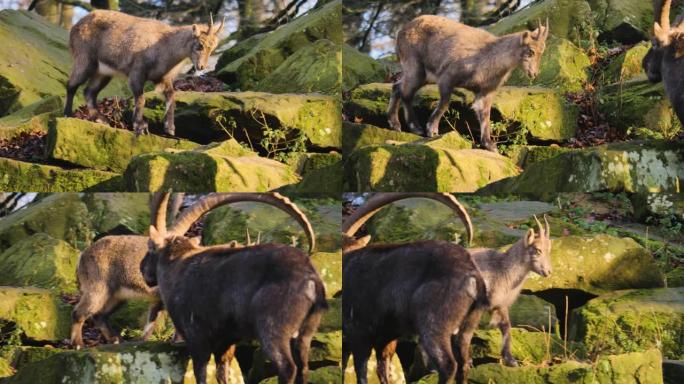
[214, 200]
[357, 219]
[665, 15]
[158, 205]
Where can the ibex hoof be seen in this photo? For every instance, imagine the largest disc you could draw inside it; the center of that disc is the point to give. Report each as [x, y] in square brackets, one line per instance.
[395, 125]
[491, 147]
[510, 363]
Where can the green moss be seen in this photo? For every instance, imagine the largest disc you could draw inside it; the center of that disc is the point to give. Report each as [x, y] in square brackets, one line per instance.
[316, 67]
[321, 175]
[6, 369]
[624, 21]
[101, 147]
[241, 48]
[396, 373]
[329, 267]
[675, 278]
[34, 117]
[37, 313]
[21, 176]
[326, 375]
[113, 209]
[529, 311]
[332, 318]
[359, 68]
[40, 261]
[525, 155]
[355, 136]
[626, 66]
[271, 51]
[632, 320]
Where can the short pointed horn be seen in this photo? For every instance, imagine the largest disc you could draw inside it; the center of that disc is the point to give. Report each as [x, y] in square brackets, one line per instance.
[158, 205]
[211, 22]
[539, 225]
[195, 211]
[548, 228]
[357, 219]
[220, 27]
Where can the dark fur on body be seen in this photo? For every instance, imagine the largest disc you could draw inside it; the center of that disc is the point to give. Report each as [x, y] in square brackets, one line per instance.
[108, 43]
[434, 49]
[423, 288]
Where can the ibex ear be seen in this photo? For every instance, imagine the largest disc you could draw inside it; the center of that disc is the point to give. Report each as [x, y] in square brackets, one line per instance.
[526, 38]
[156, 237]
[196, 30]
[233, 244]
[364, 240]
[529, 237]
[196, 241]
[661, 36]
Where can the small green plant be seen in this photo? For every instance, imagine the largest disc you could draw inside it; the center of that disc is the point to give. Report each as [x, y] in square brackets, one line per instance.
[278, 142]
[10, 333]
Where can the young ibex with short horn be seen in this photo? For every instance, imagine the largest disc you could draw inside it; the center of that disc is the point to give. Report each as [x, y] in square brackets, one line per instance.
[434, 49]
[663, 61]
[108, 43]
[432, 289]
[108, 275]
[219, 295]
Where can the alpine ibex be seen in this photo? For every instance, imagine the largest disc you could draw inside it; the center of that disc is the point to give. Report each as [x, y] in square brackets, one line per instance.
[108, 43]
[108, 274]
[434, 49]
[663, 60]
[429, 288]
[219, 295]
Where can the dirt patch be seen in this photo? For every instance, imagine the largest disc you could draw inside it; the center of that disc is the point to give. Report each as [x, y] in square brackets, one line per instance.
[204, 83]
[28, 146]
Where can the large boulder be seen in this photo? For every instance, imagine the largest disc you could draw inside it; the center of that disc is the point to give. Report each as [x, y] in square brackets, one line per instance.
[18, 175]
[640, 106]
[273, 49]
[329, 267]
[529, 312]
[359, 68]
[625, 66]
[632, 320]
[199, 171]
[623, 21]
[34, 314]
[250, 117]
[525, 155]
[564, 66]
[636, 166]
[108, 211]
[540, 113]
[35, 61]
[423, 168]
[40, 261]
[355, 136]
[34, 117]
[126, 363]
[321, 175]
[99, 146]
[597, 265]
[316, 67]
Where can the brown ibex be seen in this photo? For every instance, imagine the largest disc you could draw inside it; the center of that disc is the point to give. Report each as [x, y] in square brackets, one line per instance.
[432, 289]
[108, 274]
[219, 295]
[108, 43]
[434, 49]
[663, 60]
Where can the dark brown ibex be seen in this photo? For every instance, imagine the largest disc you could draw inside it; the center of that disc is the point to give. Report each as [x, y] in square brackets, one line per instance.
[664, 60]
[429, 288]
[108, 274]
[434, 49]
[108, 43]
[219, 295]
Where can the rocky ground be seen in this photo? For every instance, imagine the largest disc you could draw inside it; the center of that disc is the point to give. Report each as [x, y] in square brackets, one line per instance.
[239, 128]
[39, 249]
[590, 121]
[611, 312]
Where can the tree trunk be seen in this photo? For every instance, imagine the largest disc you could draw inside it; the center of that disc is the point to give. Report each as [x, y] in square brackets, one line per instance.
[105, 4]
[49, 9]
[66, 19]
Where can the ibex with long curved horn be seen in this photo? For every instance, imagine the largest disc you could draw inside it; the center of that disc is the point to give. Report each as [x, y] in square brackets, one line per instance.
[429, 288]
[219, 295]
[108, 43]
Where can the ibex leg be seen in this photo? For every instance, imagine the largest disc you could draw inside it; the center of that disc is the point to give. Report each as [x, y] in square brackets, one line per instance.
[361, 350]
[483, 106]
[136, 82]
[393, 109]
[101, 320]
[79, 75]
[223, 360]
[152, 315]
[277, 349]
[505, 328]
[383, 354]
[87, 306]
[96, 84]
[200, 358]
[169, 126]
[465, 335]
[412, 79]
[438, 349]
[436, 116]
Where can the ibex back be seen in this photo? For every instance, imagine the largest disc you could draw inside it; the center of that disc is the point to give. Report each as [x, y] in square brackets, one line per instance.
[108, 43]
[434, 49]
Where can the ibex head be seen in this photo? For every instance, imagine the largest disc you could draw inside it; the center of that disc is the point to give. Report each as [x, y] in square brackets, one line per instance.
[534, 44]
[356, 220]
[172, 244]
[205, 42]
[538, 248]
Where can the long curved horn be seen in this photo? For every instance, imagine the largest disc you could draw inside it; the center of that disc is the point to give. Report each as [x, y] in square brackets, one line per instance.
[158, 205]
[665, 16]
[175, 204]
[357, 219]
[204, 205]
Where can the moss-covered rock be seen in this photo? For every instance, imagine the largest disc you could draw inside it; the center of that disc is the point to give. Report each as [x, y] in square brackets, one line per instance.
[18, 175]
[359, 68]
[543, 114]
[598, 264]
[250, 117]
[527, 347]
[40, 261]
[632, 320]
[422, 168]
[37, 314]
[569, 19]
[355, 136]
[6, 369]
[316, 67]
[675, 277]
[196, 171]
[239, 49]
[623, 21]
[652, 205]
[272, 225]
[326, 375]
[61, 216]
[274, 48]
[332, 318]
[524, 155]
[34, 117]
[529, 312]
[396, 372]
[648, 166]
[110, 210]
[129, 363]
[321, 175]
[638, 104]
[35, 61]
[564, 66]
[625, 66]
[329, 267]
[20, 355]
[449, 140]
[99, 146]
